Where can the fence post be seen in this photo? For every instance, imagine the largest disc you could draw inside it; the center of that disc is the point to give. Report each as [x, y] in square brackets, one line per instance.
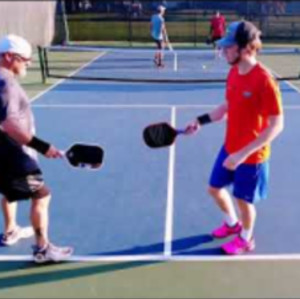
[195, 23]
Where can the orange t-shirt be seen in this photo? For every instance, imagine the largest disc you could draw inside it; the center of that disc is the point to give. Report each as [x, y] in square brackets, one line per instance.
[251, 99]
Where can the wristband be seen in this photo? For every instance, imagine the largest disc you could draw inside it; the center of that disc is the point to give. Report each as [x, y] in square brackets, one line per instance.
[204, 119]
[39, 145]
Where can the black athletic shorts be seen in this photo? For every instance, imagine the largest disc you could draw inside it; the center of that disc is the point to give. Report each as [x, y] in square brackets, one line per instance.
[20, 174]
[21, 188]
[159, 44]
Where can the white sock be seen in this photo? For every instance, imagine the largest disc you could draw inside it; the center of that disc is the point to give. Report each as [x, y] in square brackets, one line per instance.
[231, 219]
[246, 234]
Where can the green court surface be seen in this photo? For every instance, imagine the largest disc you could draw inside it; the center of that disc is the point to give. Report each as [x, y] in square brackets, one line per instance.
[227, 279]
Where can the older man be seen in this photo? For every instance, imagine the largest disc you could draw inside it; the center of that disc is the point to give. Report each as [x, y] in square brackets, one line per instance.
[20, 174]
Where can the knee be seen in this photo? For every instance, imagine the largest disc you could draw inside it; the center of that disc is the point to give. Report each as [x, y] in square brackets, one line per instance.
[41, 197]
[214, 192]
[41, 193]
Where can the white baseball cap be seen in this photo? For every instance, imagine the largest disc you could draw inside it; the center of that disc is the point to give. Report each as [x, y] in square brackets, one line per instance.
[15, 44]
[161, 8]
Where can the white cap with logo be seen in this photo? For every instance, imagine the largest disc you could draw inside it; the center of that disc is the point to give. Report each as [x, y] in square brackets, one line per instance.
[15, 44]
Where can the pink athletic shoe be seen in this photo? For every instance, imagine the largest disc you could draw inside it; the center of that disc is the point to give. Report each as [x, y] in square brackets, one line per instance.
[225, 230]
[238, 246]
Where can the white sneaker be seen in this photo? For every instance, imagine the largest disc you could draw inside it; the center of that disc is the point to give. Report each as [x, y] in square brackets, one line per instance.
[18, 233]
[51, 253]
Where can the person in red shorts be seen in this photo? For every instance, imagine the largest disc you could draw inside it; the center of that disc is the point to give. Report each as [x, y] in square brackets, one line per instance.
[254, 118]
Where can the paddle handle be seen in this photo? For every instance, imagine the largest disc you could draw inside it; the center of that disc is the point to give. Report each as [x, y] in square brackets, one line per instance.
[180, 131]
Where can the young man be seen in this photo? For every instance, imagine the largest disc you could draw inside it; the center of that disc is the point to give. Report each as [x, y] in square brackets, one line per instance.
[20, 174]
[159, 34]
[253, 113]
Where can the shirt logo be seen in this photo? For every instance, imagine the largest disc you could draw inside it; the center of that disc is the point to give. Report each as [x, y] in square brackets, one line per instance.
[247, 94]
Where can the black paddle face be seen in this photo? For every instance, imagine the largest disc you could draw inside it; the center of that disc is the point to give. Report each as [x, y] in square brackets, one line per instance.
[80, 155]
[159, 135]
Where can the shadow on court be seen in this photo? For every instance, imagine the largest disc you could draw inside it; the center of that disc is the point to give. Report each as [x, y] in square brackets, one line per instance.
[179, 246]
[32, 274]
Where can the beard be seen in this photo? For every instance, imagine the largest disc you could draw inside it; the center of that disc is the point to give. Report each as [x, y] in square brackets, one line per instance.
[22, 72]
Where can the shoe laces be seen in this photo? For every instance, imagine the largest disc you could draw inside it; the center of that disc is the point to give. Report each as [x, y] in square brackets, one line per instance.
[239, 241]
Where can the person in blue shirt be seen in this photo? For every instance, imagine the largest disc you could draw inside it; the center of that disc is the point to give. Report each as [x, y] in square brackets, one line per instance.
[159, 34]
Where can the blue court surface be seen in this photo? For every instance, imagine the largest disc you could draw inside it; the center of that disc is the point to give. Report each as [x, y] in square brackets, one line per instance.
[145, 203]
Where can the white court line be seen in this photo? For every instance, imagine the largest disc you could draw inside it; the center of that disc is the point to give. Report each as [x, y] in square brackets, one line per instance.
[138, 106]
[36, 97]
[130, 106]
[170, 197]
[164, 258]
[291, 85]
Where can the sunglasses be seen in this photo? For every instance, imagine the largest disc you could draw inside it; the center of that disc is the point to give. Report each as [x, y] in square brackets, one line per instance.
[22, 59]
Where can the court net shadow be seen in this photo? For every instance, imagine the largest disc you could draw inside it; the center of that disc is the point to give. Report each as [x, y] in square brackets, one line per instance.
[179, 246]
[28, 273]
[31, 274]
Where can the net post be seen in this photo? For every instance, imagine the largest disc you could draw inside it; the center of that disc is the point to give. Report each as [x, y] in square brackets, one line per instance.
[130, 23]
[42, 64]
[45, 55]
[195, 24]
[65, 22]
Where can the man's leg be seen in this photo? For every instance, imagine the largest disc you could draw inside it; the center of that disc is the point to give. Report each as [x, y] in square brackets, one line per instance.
[248, 217]
[12, 231]
[231, 224]
[224, 202]
[159, 54]
[159, 59]
[9, 210]
[156, 55]
[156, 58]
[217, 50]
[244, 241]
[44, 250]
[39, 216]
[250, 186]
[219, 179]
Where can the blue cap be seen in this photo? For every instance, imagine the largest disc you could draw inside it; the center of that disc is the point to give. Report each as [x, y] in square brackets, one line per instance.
[230, 37]
[239, 33]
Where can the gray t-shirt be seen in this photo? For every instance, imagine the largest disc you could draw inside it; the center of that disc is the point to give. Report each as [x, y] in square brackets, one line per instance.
[14, 105]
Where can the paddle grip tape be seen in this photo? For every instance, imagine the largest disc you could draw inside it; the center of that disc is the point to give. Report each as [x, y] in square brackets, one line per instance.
[39, 145]
[204, 119]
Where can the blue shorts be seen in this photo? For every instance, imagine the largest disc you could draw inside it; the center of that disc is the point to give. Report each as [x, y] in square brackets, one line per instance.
[250, 181]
